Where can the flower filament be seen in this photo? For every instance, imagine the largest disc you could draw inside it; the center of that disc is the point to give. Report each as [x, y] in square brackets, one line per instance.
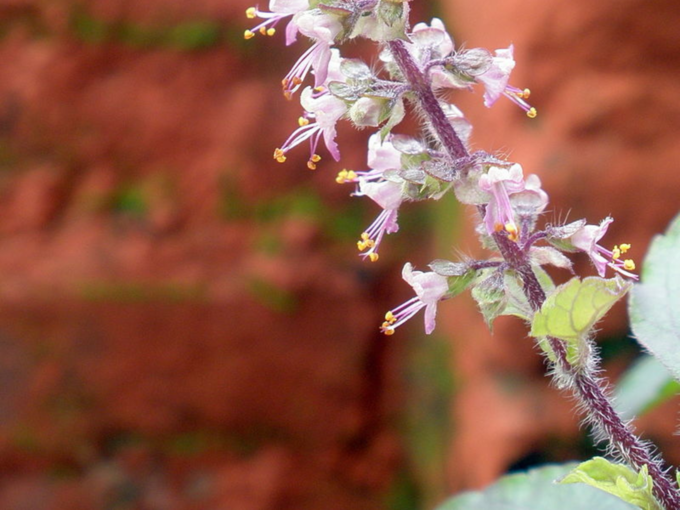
[402, 313]
[519, 96]
[267, 27]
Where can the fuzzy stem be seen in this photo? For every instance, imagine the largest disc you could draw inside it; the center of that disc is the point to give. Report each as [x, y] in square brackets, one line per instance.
[421, 87]
[603, 416]
[588, 388]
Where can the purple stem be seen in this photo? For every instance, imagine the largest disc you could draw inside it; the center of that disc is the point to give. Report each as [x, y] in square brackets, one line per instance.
[599, 409]
[421, 87]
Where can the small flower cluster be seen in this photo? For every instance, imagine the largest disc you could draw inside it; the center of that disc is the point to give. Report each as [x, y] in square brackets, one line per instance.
[403, 168]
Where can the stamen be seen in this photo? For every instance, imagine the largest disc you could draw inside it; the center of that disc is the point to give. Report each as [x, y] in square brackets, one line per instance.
[373, 257]
[302, 121]
[279, 156]
[512, 230]
[532, 113]
[624, 247]
[263, 30]
[390, 318]
[629, 265]
[387, 330]
[311, 165]
[345, 176]
[315, 158]
[365, 243]
[271, 31]
[251, 12]
[248, 34]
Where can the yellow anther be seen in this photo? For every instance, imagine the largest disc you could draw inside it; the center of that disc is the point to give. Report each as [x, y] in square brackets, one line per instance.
[373, 256]
[315, 158]
[302, 121]
[263, 31]
[616, 253]
[629, 265]
[284, 83]
[320, 88]
[361, 245]
[390, 318]
[624, 247]
[526, 93]
[279, 156]
[513, 232]
[532, 113]
[248, 34]
[296, 80]
[387, 330]
[346, 176]
[311, 165]
[251, 12]
[288, 94]
[365, 236]
[271, 31]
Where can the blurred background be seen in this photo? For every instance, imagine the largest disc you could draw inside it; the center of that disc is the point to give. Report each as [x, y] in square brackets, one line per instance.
[185, 323]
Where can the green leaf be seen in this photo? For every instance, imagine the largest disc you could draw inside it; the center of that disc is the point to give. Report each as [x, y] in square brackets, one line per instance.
[355, 69]
[343, 91]
[490, 295]
[616, 479]
[536, 490]
[571, 311]
[645, 385]
[517, 303]
[391, 13]
[396, 116]
[655, 303]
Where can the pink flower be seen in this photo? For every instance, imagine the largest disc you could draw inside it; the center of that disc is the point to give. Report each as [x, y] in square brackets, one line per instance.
[495, 81]
[389, 196]
[280, 9]
[322, 29]
[500, 183]
[322, 112]
[430, 288]
[387, 193]
[433, 39]
[532, 200]
[586, 239]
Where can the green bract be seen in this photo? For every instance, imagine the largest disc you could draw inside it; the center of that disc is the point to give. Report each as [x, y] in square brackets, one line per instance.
[616, 479]
[570, 312]
[536, 490]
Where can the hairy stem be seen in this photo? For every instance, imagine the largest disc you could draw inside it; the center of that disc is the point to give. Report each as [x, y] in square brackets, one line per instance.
[420, 85]
[588, 388]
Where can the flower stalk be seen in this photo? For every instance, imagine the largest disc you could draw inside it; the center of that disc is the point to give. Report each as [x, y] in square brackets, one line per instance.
[427, 101]
[420, 63]
[597, 407]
